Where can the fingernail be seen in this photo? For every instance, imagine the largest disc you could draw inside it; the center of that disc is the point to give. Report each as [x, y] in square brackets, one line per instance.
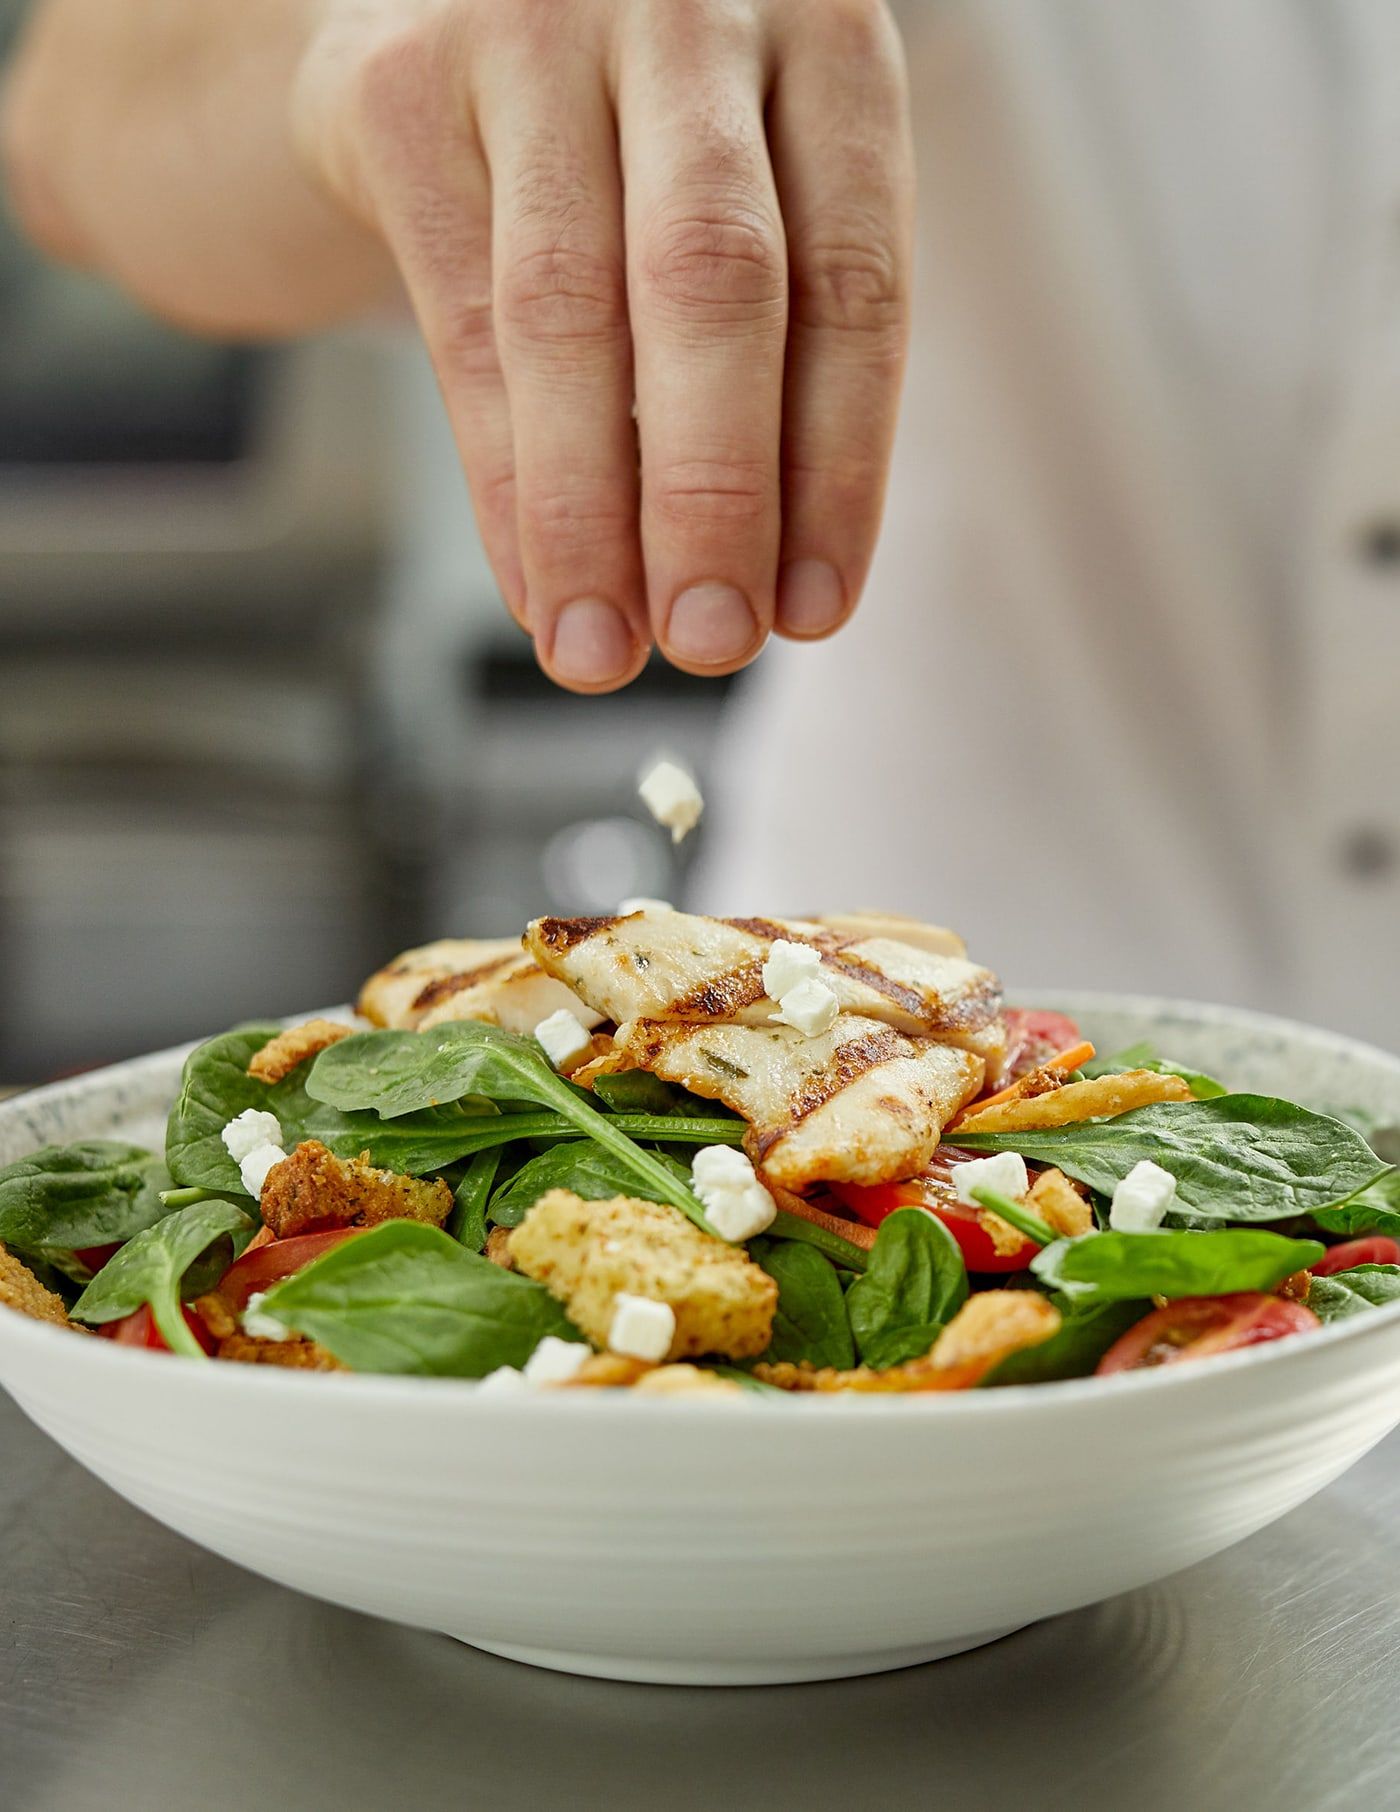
[592, 642]
[811, 597]
[711, 623]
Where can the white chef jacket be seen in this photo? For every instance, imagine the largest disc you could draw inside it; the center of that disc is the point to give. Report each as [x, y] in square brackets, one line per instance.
[1121, 702]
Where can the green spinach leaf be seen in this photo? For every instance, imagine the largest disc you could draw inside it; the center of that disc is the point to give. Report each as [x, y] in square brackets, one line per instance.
[1237, 1158]
[1354, 1292]
[635, 1092]
[1375, 1210]
[1086, 1334]
[810, 1323]
[154, 1267]
[468, 1221]
[1130, 1266]
[578, 1164]
[914, 1284]
[398, 1073]
[216, 1087]
[405, 1297]
[67, 1197]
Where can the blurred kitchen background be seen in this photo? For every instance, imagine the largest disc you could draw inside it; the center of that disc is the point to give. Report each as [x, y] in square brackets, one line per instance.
[263, 718]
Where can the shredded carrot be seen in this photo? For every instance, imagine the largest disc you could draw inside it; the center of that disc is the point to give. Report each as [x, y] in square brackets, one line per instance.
[1065, 1061]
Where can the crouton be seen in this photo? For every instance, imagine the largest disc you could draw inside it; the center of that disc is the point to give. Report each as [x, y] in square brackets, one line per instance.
[588, 1253]
[296, 1355]
[21, 1290]
[1102, 1098]
[986, 1329]
[498, 1248]
[290, 1049]
[313, 1190]
[1060, 1205]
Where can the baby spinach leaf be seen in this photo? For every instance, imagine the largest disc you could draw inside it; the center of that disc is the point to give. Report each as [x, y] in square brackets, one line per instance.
[468, 1221]
[1129, 1266]
[635, 1092]
[1354, 1292]
[914, 1284]
[1237, 1158]
[405, 1297]
[577, 1164]
[1144, 1057]
[405, 1072]
[842, 1252]
[810, 1322]
[216, 1087]
[1086, 1333]
[152, 1267]
[66, 1197]
[1375, 1210]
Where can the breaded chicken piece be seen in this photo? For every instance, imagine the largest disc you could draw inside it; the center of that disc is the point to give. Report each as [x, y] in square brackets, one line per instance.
[988, 1328]
[312, 1190]
[588, 1253]
[490, 979]
[295, 1355]
[290, 1049]
[860, 1103]
[21, 1290]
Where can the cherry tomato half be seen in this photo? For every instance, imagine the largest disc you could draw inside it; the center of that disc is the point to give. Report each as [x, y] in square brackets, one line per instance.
[1198, 1327]
[873, 1203]
[1035, 1035]
[94, 1257]
[266, 1265]
[1375, 1250]
[139, 1329]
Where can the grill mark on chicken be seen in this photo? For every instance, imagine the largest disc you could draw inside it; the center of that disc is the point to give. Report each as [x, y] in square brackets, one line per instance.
[723, 995]
[562, 934]
[443, 987]
[849, 1062]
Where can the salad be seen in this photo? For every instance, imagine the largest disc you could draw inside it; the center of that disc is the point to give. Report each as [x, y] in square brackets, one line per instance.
[698, 1156]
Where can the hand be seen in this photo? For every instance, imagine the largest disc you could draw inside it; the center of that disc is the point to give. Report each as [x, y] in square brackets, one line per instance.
[705, 205]
[702, 205]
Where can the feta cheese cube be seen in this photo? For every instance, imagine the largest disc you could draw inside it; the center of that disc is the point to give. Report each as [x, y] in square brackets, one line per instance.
[1004, 1171]
[739, 1214]
[787, 965]
[555, 1361]
[250, 1129]
[736, 1204]
[641, 1328]
[566, 1041]
[255, 1167]
[260, 1326]
[640, 903]
[1142, 1199]
[672, 798]
[811, 1007]
[504, 1378]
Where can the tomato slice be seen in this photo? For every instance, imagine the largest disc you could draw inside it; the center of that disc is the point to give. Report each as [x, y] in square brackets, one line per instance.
[1199, 1327]
[263, 1266]
[1036, 1034]
[873, 1203]
[139, 1329]
[1374, 1250]
[94, 1257]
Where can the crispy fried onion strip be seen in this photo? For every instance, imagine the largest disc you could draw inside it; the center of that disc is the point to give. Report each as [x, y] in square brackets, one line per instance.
[1102, 1098]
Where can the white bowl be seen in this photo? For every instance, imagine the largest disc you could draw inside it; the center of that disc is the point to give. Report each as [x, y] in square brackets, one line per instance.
[724, 1542]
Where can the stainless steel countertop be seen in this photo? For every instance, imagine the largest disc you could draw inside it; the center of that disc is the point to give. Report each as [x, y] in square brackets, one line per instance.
[138, 1671]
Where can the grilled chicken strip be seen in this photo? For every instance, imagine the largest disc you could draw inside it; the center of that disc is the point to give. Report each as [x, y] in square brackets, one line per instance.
[861, 1103]
[491, 979]
[678, 966]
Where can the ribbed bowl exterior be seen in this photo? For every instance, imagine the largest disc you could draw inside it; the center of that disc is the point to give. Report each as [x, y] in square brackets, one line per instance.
[749, 1539]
